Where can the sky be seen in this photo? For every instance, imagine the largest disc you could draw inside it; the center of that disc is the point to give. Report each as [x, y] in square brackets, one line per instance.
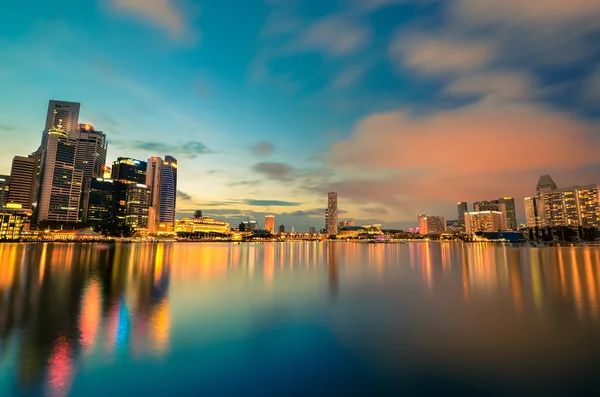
[401, 106]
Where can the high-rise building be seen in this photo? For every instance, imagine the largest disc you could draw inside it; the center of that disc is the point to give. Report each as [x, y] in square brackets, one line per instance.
[137, 198]
[168, 191]
[429, 224]
[99, 207]
[511, 213]
[331, 218]
[462, 210]
[60, 113]
[90, 158]
[534, 212]
[494, 206]
[545, 183]
[573, 206]
[270, 223]
[484, 221]
[128, 169]
[23, 174]
[154, 182]
[60, 181]
[281, 229]
[4, 189]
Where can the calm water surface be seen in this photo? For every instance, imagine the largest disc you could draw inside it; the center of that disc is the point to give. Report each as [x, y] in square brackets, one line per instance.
[305, 319]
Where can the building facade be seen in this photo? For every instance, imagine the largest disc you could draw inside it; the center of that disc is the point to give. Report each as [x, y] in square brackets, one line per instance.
[484, 221]
[12, 220]
[494, 206]
[331, 219]
[270, 223]
[128, 169]
[4, 189]
[431, 224]
[99, 206]
[60, 115]
[154, 182]
[168, 191]
[462, 210]
[23, 174]
[573, 206]
[534, 212]
[202, 226]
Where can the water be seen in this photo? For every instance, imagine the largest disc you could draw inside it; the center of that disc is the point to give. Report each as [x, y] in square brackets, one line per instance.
[298, 319]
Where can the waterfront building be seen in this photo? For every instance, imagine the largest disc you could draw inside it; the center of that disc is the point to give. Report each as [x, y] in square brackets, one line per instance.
[248, 226]
[511, 213]
[90, 158]
[346, 223]
[130, 205]
[4, 189]
[12, 219]
[572, 206]
[331, 218]
[128, 169]
[534, 212]
[60, 115]
[462, 210]
[484, 221]
[168, 191]
[23, 174]
[201, 226]
[270, 223]
[154, 181]
[60, 181]
[429, 224]
[494, 206]
[99, 206]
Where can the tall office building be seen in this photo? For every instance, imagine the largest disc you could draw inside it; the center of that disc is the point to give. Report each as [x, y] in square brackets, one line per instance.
[494, 206]
[137, 202]
[154, 181]
[23, 174]
[60, 181]
[534, 212]
[484, 221]
[100, 204]
[462, 210]
[4, 188]
[511, 213]
[332, 213]
[270, 223]
[168, 191]
[90, 158]
[60, 113]
[128, 169]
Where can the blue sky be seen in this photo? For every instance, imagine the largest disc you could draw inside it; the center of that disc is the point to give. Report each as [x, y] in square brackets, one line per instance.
[402, 106]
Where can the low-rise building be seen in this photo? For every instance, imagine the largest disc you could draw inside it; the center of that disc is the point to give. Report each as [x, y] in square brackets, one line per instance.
[12, 219]
[201, 226]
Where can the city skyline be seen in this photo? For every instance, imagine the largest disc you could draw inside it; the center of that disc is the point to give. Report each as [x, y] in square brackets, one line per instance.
[328, 96]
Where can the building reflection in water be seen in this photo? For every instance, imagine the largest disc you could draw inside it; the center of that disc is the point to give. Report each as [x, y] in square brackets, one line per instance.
[66, 300]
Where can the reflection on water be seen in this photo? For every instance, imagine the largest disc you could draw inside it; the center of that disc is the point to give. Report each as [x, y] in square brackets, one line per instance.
[377, 318]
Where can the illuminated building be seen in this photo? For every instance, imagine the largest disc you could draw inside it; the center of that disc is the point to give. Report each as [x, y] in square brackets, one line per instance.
[99, 204]
[60, 113]
[494, 206]
[106, 172]
[484, 221]
[248, 226]
[367, 231]
[12, 219]
[573, 206]
[134, 210]
[346, 223]
[429, 224]
[168, 191]
[331, 218]
[4, 188]
[534, 212]
[204, 225]
[270, 223]
[60, 181]
[511, 213]
[153, 181]
[23, 174]
[127, 169]
[462, 210]
[544, 184]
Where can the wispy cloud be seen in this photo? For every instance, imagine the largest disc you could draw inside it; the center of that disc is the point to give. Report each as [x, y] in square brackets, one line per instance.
[276, 171]
[262, 148]
[270, 203]
[7, 128]
[191, 149]
[170, 15]
[183, 195]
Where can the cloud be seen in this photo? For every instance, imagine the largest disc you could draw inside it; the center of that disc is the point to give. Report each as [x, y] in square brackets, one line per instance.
[438, 55]
[374, 210]
[276, 171]
[7, 128]
[350, 75]
[591, 86]
[191, 149]
[496, 85]
[270, 203]
[183, 195]
[244, 183]
[262, 148]
[169, 15]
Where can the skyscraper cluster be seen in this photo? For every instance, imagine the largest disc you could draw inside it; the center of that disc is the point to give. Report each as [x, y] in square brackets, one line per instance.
[488, 216]
[66, 180]
[571, 206]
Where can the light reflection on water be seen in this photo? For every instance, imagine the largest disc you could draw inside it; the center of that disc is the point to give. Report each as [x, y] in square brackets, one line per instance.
[329, 318]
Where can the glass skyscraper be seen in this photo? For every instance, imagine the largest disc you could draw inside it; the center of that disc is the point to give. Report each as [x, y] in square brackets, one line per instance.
[168, 190]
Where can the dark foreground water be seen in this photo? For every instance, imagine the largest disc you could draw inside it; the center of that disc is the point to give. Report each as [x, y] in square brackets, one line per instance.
[303, 319]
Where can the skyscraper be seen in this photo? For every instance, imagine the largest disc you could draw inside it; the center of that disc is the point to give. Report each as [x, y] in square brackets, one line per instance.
[4, 188]
[168, 190]
[90, 158]
[128, 169]
[60, 113]
[60, 181]
[281, 229]
[462, 209]
[332, 213]
[545, 183]
[23, 174]
[154, 181]
[534, 212]
[270, 223]
[511, 214]
[100, 204]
